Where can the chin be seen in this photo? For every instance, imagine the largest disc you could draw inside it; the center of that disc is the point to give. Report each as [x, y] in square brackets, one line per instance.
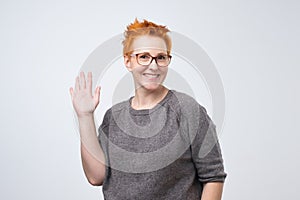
[151, 86]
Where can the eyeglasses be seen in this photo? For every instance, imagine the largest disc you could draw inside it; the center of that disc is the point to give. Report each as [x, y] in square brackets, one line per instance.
[145, 59]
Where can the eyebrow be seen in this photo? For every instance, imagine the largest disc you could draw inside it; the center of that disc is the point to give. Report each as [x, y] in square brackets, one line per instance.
[158, 54]
[150, 53]
[149, 48]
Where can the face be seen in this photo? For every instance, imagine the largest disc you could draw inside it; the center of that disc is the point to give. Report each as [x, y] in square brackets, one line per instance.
[151, 76]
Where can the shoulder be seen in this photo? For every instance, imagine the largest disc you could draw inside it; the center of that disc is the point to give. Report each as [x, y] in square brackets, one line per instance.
[187, 107]
[183, 97]
[186, 101]
[113, 111]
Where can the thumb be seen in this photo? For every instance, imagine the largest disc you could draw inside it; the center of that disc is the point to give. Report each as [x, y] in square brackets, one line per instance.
[71, 92]
[97, 95]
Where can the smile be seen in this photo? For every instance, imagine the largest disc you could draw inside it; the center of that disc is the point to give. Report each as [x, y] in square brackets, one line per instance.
[151, 75]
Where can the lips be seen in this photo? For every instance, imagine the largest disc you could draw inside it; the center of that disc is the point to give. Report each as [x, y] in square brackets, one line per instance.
[149, 75]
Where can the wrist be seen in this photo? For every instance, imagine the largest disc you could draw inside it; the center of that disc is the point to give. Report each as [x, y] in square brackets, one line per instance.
[85, 116]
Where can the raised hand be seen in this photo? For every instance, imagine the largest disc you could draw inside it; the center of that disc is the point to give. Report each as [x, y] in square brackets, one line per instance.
[84, 102]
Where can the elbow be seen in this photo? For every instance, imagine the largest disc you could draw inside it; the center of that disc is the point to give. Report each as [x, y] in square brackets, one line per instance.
[96, 179]
[95, 182]
[95, 174]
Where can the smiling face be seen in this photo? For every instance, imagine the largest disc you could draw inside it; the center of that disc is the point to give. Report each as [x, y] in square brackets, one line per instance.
[148, 77]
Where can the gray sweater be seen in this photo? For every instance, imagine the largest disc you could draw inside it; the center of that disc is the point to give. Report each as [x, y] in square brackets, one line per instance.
[167, 152]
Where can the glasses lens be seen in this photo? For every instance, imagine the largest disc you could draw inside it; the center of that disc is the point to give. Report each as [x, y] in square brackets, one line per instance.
[163, 60]
[144, 59]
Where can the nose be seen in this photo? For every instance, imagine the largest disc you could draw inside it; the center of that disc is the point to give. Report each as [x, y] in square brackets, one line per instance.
[153, 65]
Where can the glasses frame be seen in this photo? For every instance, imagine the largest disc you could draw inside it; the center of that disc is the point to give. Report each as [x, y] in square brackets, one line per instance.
[152, 58]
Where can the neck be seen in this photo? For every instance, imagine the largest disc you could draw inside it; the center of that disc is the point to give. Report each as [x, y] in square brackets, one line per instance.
[145, 99]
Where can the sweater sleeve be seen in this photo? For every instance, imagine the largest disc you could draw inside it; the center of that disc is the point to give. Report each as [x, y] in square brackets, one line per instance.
[103, 128]
[103, 134]
[206, 151]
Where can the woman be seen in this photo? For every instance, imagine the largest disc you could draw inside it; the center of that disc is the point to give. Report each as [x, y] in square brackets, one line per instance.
[159, 144]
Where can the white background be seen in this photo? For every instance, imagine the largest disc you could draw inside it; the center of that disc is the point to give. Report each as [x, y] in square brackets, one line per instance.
[254, 45]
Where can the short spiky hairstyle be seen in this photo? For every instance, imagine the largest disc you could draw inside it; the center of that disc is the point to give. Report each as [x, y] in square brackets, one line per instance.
[137, 29]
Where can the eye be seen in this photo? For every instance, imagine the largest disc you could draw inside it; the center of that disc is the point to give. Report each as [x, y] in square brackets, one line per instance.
[162, 57]
[144, 56]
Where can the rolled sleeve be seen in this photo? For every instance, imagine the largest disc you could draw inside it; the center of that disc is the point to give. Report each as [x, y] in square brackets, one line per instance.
[206, 151]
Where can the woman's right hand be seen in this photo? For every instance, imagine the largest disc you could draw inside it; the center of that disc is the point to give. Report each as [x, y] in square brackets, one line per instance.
[84, 102]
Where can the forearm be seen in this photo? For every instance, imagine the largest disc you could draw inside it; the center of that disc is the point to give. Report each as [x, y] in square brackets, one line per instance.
[92, 156]
[212, 191]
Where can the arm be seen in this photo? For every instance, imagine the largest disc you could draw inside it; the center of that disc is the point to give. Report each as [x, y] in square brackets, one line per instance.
[208, 159]
[85, 103]
[92, 155]
[212, 191]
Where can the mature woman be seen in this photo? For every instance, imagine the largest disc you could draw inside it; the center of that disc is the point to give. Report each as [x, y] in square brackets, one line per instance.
[158, 144]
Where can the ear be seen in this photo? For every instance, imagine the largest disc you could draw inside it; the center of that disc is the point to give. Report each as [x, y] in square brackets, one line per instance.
[127, 63]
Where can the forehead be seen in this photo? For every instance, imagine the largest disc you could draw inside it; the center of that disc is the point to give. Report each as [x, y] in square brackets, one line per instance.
[148, 44]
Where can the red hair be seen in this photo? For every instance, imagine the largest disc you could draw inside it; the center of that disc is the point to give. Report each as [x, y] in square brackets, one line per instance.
[137, 29]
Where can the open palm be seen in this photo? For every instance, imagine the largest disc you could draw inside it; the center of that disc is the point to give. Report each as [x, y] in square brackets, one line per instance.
[84, 102]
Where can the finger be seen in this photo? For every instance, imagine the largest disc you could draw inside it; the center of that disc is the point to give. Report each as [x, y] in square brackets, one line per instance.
[82, 81]
[77, 85]
[89, 82]
[71, 92]
[97, 95]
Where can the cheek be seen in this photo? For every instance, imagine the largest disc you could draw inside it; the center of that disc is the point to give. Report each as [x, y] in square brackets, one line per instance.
[137, 73]
[164, 71]
[138, 70]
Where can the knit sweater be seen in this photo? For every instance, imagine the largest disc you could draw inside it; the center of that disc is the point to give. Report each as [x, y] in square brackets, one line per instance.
[166, 152]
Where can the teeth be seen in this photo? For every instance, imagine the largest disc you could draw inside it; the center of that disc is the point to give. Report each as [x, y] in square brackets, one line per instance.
[152, 75]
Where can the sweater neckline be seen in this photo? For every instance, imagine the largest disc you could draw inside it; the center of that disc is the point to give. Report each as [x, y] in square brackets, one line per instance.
[148, 111]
